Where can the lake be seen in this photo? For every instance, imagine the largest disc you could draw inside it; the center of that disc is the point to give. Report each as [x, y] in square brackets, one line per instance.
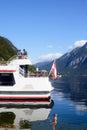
[68, 110]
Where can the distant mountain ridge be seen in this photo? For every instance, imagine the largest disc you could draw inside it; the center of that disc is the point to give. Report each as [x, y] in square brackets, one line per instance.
[7, 49]
[71, 63]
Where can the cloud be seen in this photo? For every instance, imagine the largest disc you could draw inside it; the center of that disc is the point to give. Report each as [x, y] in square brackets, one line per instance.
[70, 47]
[50, 46]
[50, 56]
[77, 44]
[80, 43]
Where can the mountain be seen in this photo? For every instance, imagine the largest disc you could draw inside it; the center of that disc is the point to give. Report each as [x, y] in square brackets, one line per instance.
[41, 64]
[7, 49]
[71, 63]
[74, 62]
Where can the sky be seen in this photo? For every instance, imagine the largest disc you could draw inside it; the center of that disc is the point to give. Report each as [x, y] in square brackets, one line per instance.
[45, 28]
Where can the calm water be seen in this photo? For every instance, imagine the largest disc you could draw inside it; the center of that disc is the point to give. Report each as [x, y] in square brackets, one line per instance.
[70, 106]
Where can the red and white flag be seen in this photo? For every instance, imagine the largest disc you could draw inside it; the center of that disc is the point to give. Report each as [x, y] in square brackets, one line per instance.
[54, 70]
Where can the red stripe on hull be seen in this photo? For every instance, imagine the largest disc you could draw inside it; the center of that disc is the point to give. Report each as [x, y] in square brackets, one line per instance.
[24, 99]
[7, 70]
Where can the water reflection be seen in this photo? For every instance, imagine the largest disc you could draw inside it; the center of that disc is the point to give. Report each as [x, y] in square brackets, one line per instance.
[54, 121]
[73, 88]
[70, 100]
[15, 116]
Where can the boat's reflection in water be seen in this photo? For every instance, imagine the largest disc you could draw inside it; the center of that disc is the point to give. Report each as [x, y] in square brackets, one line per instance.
[20, 116]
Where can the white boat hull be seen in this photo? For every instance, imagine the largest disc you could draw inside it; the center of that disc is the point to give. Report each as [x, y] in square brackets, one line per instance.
[15, 86]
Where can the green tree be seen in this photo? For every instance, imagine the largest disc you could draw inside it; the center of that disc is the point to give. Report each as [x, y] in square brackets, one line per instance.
[31, 68]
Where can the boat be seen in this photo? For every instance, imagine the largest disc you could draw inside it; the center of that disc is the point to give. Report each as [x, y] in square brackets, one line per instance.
[17, 85]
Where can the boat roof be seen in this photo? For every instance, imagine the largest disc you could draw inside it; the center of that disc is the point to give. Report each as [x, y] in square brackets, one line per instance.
[20, 62]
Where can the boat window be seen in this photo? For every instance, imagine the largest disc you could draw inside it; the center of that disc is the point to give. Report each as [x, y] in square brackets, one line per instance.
[7, 79]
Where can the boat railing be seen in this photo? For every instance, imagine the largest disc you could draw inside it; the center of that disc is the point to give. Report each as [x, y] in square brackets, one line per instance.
[22, 57]
[21, 71]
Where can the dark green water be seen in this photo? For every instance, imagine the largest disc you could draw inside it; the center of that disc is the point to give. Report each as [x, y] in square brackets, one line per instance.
[70, 106]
